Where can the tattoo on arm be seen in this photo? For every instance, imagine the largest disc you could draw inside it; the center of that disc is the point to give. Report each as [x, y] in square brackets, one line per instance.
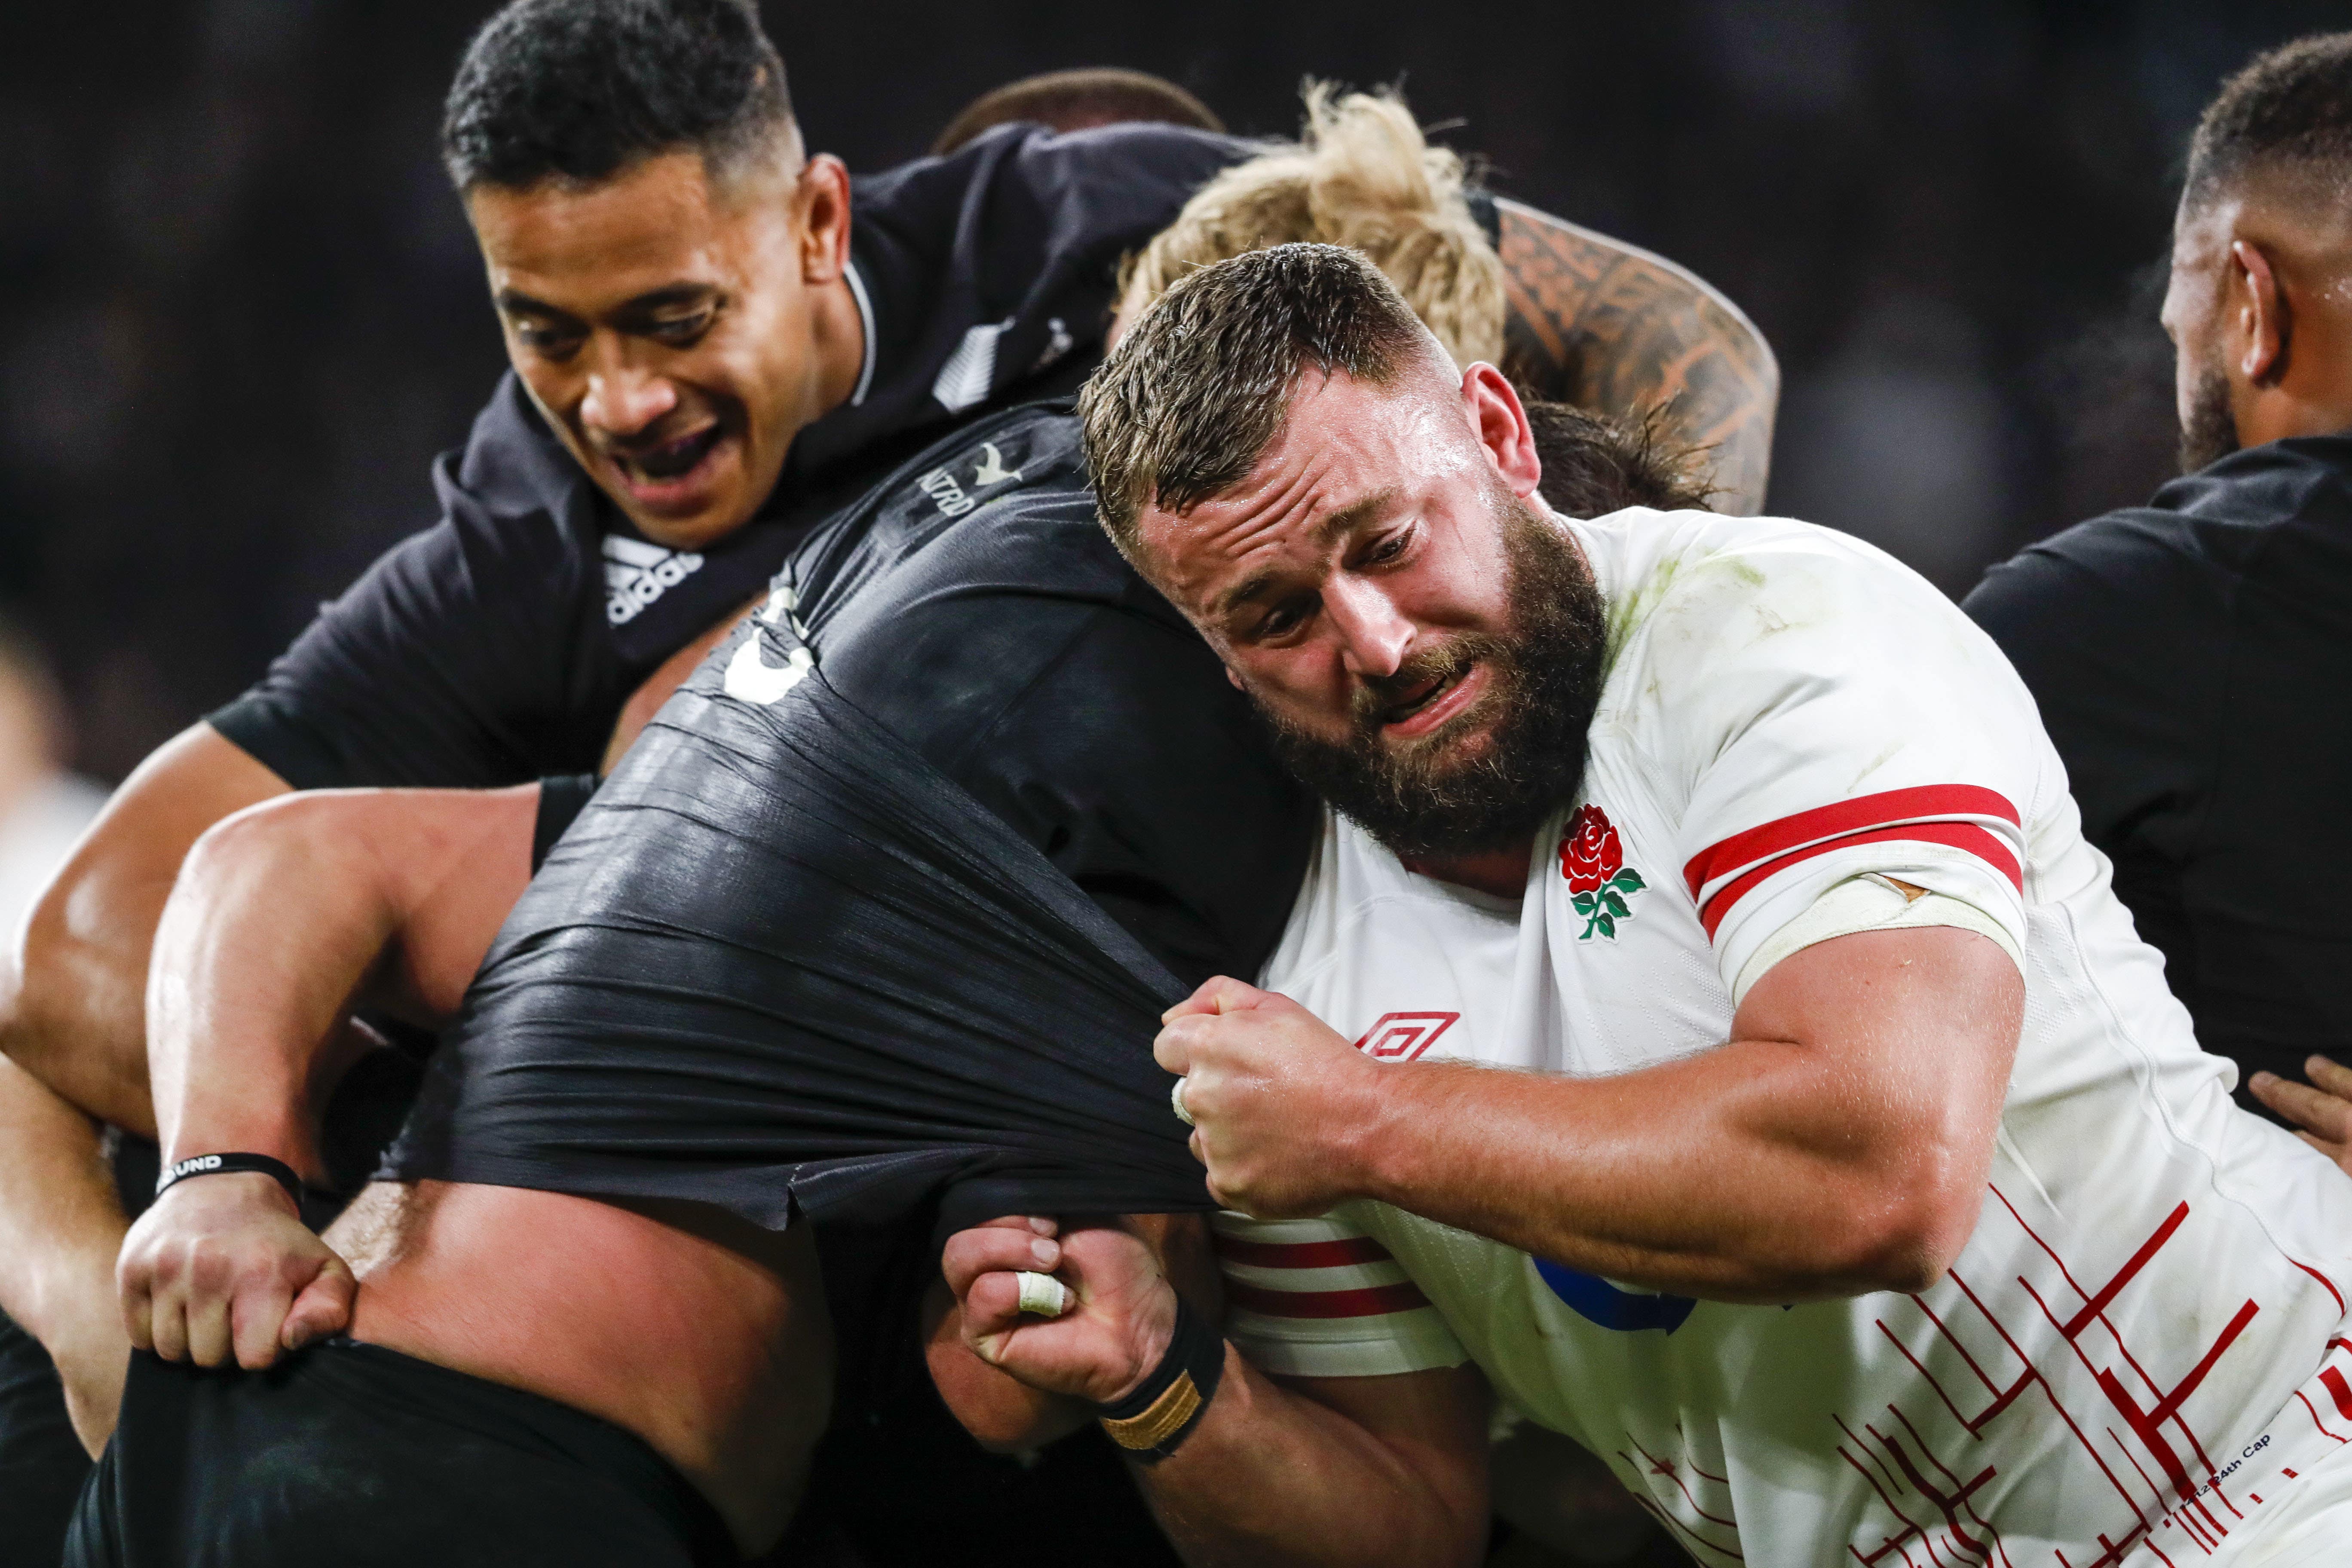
[1615, 331]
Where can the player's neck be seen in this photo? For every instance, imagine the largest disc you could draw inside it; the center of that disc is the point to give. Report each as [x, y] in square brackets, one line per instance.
[838, 329]
[1500, 872]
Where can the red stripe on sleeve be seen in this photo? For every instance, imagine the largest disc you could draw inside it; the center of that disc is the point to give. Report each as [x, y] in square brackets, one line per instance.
[1844, 817]
[1303, 1254]
[1957, 835]
[1372, 1301]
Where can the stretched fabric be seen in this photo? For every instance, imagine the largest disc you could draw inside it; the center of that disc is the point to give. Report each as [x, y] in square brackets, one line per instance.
[781, 962]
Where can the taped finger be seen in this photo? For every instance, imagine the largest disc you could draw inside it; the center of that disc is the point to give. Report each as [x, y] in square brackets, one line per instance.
[1043, 1294]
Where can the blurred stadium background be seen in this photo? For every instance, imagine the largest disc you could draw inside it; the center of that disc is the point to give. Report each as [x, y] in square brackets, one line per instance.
[239, 309]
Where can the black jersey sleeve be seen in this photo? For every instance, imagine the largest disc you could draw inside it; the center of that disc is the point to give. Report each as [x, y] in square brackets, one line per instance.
[467, 654]
[2120, 631]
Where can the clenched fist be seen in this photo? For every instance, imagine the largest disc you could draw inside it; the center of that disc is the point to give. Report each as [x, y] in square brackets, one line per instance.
[1117, 1323]
[222, 1268]
[1282, 1106]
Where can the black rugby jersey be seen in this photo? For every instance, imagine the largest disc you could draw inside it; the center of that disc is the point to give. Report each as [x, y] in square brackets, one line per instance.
[834, 934]
[498, 645]
[2190, 659]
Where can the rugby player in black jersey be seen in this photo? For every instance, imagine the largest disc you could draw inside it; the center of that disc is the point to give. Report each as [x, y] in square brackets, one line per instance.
[1010, 649]
[502, 644]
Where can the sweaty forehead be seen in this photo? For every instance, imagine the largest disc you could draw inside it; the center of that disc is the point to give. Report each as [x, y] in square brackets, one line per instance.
[1344, 448]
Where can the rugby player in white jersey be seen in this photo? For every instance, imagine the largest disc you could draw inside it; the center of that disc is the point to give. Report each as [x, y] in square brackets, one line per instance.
[1703, 1029]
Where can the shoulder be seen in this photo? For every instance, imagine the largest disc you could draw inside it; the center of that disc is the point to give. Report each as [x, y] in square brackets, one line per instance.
[1778, 641]
[1691, 593]
[971, 574]
[1058, 165]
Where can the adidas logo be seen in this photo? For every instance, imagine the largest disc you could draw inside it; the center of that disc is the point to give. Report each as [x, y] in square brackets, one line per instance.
[636, 574]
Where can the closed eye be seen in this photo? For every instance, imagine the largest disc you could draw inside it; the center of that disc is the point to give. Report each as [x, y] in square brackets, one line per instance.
[681, 331]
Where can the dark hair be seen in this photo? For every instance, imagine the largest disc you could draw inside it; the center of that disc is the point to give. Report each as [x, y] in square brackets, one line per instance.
[2290, 106]
[1197, 389]
[579, 89]
[1077, 100]
[1593, 465]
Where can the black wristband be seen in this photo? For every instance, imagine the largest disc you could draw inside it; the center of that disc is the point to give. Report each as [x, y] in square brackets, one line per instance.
[220, 1164]
[1165, 1407]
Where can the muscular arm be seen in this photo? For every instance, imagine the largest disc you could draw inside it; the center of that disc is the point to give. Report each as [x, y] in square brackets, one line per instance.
[1613, 329]
[77, 1016]
[1280, 1472]
[288, 915]
[285, 916]
[1837, 1144]
[73, 1012]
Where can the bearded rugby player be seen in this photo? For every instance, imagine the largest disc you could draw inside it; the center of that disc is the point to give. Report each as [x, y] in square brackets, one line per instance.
[1343, 146]
[1753, 1075]
[573, 562]
[526, 1297]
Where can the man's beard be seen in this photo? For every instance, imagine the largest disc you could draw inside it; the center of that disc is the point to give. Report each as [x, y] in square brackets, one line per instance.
[2211, 431]
[1544, 680]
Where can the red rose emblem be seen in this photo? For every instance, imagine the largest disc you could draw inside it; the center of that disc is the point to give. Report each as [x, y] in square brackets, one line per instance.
[1590, 855]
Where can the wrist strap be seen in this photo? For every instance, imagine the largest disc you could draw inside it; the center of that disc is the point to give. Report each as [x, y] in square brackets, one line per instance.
[220, 1164]
[1164, 1408]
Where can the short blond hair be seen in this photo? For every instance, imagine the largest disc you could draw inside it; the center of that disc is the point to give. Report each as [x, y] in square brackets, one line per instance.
[1361, 175]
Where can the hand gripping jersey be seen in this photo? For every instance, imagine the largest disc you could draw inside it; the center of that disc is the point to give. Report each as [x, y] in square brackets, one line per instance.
[2141, 1350]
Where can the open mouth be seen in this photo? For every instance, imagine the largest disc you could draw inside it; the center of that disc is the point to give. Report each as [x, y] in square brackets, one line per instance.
[671, 460]
[1428, 692]
[1433, 702]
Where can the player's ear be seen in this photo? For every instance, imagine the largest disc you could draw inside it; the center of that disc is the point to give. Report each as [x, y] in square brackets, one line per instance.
[824, 229]
[1501, 423]
[2261, 314]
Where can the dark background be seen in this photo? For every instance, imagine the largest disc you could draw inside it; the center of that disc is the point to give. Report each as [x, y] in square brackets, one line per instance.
[239, 310]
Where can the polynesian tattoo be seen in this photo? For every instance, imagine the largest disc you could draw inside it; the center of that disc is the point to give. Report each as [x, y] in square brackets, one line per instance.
[1617, 331]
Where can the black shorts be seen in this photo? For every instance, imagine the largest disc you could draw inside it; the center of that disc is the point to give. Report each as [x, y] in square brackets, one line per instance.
[42, 1464]
[360, 1457]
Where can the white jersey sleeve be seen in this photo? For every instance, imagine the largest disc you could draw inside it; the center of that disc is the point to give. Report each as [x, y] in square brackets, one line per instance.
[1823, 715]
[1319, 1298]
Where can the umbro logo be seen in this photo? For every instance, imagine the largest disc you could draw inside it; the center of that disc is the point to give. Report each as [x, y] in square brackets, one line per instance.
[1401, 1036]
[636, 574]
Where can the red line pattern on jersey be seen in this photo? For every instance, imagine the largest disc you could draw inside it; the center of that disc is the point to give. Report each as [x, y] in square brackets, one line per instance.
[1638, 1483]
[1340, 1253]
[2316, 1420]
[1911, 1479]
[2338, 1390]
[2324, 1279]
[1950, 815]
[1366, 1302]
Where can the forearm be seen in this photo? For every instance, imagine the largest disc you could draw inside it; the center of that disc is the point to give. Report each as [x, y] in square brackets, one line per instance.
[60, 1222]
[73, 1010]
[1271, 1476]
[1709, 1177]
[1617, 331]
[1839, 1147]
[290, 914]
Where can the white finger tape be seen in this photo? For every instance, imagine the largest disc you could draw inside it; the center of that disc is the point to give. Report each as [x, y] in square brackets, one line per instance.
[1043, 1294]
[1176, 1099]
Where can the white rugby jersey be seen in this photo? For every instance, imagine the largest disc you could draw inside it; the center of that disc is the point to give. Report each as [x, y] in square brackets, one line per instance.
[2143, 1344]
